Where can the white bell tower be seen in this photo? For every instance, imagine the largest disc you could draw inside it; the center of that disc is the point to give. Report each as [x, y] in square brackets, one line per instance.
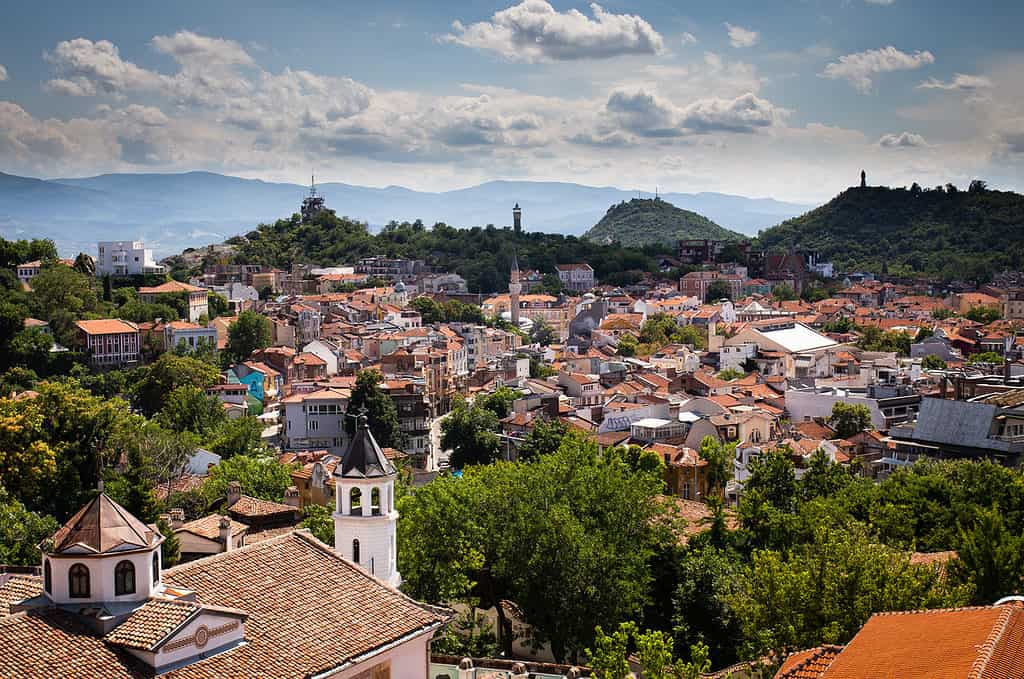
[365, 520]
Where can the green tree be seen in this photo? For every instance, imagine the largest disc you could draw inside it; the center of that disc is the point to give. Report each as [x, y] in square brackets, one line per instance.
[545, 438]
[986, 357]
[499, 401]
[218, 305]
[469, 432]
[731, 374]
[320, 522]
[20, 532]
[933, 363]
[827, 588]
[542, 333]
[153, 384]
[170, 549]
[720, 457]
[849, 418]
[707, 580]
[249, 332]
[984, 314]
[718, 290]
[990, 558]
[60, 287]
[262, 477]
[381, 413]
[609, 658]
[188, 408]
[784, 292]
[240, 436]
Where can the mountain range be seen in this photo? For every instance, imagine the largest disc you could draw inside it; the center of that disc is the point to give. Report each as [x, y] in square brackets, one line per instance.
[174, 211]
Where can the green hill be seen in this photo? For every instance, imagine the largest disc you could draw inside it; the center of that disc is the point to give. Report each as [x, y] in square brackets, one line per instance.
[649, 221]
[967, 235]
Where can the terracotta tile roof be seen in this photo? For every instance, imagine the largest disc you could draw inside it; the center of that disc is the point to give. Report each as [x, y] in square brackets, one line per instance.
[17, 588]
[52, 643]
[151, 623]
[106, 326]
[253, 506]
[182, 484]
[291, 585]
[209, 527]
[102, 526]
[977, 643]
[809, 664]
[168, 287]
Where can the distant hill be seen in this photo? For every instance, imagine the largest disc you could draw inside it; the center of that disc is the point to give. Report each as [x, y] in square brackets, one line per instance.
[648, 221]
[174, 211]
[959, 235]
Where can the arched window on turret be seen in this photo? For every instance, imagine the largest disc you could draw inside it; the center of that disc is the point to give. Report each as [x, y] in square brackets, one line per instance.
[78, 581]
[156, 567]
[124, 578]
[355, 551]
[375, 501]
[47, 577]
[355, 500]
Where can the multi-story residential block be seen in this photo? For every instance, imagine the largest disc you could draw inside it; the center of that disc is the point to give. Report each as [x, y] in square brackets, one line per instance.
[315, 420]
[414, 414]
[577, 277]
[110, 342]
[192, 335]
[125, 258]
[29, 270]
[696, 283]
[384, 267]
[699, 250]
[198, 298]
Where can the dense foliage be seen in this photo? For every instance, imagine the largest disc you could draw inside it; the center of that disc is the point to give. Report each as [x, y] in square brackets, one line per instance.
[481, 255]
[955, 234]
[652, 221]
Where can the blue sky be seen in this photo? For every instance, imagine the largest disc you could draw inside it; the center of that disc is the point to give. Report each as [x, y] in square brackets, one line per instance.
[787, 99]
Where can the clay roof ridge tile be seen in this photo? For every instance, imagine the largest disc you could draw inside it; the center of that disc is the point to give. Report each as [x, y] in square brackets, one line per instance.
[986, 650]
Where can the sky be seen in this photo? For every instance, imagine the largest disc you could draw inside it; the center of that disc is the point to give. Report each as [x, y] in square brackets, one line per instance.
[788, 99]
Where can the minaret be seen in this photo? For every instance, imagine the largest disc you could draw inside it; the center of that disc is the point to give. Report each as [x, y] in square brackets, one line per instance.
[517, 219]
[365, 520]
[514, 288]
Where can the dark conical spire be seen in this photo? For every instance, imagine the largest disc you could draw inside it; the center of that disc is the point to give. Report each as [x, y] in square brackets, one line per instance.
[364, 459]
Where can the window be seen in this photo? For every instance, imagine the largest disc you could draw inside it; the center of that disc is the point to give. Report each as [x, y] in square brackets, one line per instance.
[355, 503]
[355, 551]
[156, 567]
[78, 582]
[312, 425]
[375, 501]
[47, 577]
[124, 578]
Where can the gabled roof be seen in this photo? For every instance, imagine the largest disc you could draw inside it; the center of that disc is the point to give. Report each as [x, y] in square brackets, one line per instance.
[103, 526]
[985, 642]
[170, 287]
[364, 459]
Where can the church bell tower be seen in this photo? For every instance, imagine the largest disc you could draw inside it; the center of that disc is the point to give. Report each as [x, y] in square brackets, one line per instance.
[365, 520]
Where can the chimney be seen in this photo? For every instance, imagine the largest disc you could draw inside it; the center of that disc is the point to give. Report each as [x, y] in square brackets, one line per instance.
[225, 533]
[291, 497]
[177, 517]
[234, 493]
[466, 670]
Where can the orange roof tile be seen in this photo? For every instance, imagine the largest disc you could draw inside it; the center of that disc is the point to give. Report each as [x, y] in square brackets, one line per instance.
[106, 326]
[977, 643]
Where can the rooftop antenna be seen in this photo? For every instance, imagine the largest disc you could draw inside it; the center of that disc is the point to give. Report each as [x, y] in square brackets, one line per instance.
[312, 184]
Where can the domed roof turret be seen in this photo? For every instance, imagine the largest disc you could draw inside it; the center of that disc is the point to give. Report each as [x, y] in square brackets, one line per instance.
[100, 527]
[399, 286]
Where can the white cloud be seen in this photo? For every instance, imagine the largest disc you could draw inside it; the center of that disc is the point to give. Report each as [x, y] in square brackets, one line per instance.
[960, 81]
[3, 73]
[649, 115]
[742, 37]
[188, 48]
[902, 140]
[744, 114]
[860, 67]
[688, 39]
[87, 68]
[880, 2]
[534, 31]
